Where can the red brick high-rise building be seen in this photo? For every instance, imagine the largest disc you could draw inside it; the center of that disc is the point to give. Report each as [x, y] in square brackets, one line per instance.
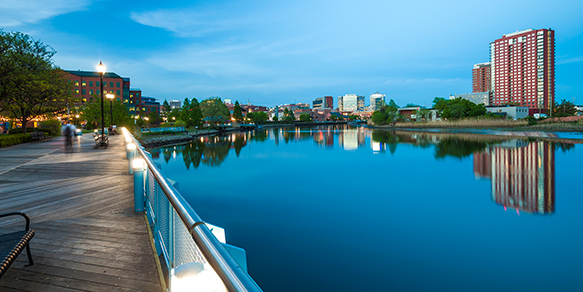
[523, 69]
[481, 78]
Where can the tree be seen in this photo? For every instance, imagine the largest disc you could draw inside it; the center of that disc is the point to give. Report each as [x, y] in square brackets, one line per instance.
[305, 117]
[392, 104]
[191, 113]
[288, 115]
[237, 112]
[30, 85]
[91, 112]
[412, 105]
[275, 118]
[154, 119]
[214, 111]
[258, 117]
[458, 108]
[165, 110]
[564, 109]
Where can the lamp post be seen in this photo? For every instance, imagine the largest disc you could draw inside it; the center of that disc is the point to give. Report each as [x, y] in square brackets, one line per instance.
[110, 97]
[101, 70]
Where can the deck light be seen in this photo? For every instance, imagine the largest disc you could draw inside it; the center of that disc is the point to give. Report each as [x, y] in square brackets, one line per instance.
[195, 277]
[110, 97]
[101, 70]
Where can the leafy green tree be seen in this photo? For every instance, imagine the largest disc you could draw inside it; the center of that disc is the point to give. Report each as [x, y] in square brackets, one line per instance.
[353, 117]
[305, 117]
[91, 112]
[154, 120]
[30, 85]
[191, 113]
[564, 109]
[258, 117]
[392, 104]
[275, 118]
[174, 115]
[237, 112]
[412, 105]
[185, 109]
[458, 108]
[165, 110]
[215, 111]
[288, 115]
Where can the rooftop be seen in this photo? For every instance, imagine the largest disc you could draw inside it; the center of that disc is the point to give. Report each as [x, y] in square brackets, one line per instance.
[92, 74]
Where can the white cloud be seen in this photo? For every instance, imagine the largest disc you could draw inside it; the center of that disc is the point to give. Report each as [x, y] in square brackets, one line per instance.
[14, 13]
[188, 23]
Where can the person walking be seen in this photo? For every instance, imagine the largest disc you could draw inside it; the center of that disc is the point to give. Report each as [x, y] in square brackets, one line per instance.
[68, 130]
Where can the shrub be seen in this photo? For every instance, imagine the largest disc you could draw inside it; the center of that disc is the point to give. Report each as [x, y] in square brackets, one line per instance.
[53, 125]
[48, 132]
[180, 123]
[13, 139]
[531, 120]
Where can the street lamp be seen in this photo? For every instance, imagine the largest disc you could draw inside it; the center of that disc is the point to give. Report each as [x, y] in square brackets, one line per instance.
[110, 97]
[101, 70]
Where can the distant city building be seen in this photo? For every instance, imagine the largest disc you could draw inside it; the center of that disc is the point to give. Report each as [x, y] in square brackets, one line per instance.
[477, 98]
[323, 102]
[481, 76]
[351, 103]
[228, 101]
[514, 112]
[523, 69]
[175, 104]
[377, 99]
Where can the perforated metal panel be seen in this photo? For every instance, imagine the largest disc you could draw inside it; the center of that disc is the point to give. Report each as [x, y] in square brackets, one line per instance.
[185, 249]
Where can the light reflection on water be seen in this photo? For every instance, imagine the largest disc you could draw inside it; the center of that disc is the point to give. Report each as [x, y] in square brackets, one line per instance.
[397, 210]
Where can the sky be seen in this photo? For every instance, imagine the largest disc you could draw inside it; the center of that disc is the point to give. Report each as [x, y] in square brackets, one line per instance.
[278, 52]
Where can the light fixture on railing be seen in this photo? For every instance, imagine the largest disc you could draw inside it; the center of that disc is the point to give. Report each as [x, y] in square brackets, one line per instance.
[195, 277]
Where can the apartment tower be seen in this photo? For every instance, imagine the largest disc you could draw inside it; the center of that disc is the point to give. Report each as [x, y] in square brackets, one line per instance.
[481, 75]
[523, 69]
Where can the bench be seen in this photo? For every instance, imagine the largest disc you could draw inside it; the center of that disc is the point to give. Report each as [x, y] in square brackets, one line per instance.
[11, 244]
[43, 137]
[35, 136]
[98, 143]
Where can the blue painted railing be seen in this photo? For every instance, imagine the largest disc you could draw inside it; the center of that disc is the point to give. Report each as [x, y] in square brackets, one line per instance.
[185, 244]
[167, 129]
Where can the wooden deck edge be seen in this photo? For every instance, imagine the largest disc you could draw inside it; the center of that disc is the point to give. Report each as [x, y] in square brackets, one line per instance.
[158, 265]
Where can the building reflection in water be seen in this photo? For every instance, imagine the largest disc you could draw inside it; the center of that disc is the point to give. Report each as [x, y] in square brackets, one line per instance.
[522, 175]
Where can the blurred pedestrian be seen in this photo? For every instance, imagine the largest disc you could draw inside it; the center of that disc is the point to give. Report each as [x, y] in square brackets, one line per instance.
[68, 130]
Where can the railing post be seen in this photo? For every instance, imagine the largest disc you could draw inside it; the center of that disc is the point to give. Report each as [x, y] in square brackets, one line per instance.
[138, 167]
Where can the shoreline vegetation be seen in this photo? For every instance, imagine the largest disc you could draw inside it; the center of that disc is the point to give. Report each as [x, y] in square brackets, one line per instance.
[548, 125]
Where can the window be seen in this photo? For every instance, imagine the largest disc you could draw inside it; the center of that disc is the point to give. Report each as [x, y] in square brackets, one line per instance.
[117, 86]
[84, 91]
[83, 84]
[97, 83]
[90, 83]
[77, 91]
[118, 92]
[76, 83]
[111, 84]
[90, 91]
[97, 91]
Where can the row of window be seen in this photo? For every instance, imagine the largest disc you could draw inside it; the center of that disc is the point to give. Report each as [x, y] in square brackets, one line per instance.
[97, 91]
[84, 84]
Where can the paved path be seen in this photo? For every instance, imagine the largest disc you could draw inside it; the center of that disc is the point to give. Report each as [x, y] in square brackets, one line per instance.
[88, 238]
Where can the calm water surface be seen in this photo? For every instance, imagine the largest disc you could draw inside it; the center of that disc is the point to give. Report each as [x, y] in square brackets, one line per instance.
[350, 209]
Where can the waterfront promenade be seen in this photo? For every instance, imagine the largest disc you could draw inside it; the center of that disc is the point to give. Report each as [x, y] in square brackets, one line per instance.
[88, 238]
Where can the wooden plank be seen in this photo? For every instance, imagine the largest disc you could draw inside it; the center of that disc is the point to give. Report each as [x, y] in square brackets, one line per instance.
[81, 206]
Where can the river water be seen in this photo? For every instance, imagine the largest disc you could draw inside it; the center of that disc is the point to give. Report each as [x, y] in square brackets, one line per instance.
[352, 209]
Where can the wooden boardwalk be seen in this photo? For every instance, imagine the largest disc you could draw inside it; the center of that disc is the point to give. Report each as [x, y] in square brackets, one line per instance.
[88, 238]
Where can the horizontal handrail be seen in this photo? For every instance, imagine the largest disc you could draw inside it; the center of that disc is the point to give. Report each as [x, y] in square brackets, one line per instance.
[233, 276]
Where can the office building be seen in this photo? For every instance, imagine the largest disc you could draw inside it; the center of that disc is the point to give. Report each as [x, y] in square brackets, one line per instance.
[377, 99]
[323, 103]
[481, 75]
[523, 69]
[476, 97]
[351, 103]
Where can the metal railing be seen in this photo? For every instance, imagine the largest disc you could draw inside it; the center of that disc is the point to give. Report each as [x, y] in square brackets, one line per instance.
[181, 235]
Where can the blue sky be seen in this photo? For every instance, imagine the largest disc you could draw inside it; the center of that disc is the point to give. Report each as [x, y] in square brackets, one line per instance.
[275, 52]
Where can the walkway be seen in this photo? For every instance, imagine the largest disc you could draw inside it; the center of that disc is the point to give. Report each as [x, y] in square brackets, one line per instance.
[88, 238]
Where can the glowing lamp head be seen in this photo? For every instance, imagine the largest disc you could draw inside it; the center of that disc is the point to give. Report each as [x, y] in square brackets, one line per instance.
[138, 164]
[101, 68]
[110, 96]
[195, 277]
[131, 146]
